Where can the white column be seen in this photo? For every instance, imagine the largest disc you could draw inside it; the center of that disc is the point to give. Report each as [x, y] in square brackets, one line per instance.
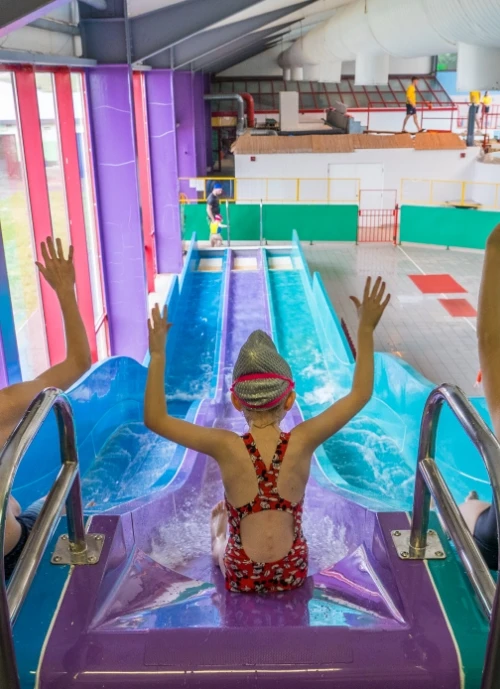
[478, 68]
[371, 70]
[297, 74]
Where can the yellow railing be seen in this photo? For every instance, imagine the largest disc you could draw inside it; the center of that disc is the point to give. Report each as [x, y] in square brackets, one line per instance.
[272, 189]
[443, 192]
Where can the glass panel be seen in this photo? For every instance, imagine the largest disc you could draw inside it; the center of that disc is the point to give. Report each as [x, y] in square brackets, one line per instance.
[343, 86]
[396, 85]
[305, 86]
[357, 89]
[307, 101]
[292, 86]
[347, 99]
[428, 96]
[252, 87]
[279, 86]
[447, 62]
[266, 87]
[226, 87]
[362, 100]
[18, 240]
[93, 248]
[322, 100]
[240, 87]
[383, 87]
[318, 87]
[52, 154]
[264, 102]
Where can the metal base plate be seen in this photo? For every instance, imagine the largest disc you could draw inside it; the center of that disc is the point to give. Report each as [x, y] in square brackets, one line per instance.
[433, 551]
[63, 555]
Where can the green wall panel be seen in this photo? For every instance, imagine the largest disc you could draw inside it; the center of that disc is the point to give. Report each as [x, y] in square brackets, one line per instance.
[327, 223]
[313, 222]
[460, 227]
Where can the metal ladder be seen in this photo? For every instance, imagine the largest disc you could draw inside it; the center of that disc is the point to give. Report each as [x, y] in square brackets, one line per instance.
[75, 548]
[420, 543]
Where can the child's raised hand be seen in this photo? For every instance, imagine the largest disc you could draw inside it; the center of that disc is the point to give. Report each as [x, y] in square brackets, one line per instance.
[158, 327]
[372, 307]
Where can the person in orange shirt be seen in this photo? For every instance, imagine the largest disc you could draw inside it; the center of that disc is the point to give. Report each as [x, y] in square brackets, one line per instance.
[411, 104]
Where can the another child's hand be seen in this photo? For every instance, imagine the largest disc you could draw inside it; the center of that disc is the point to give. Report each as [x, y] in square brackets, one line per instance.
[372, 307]
[158, 327]
[58, 270]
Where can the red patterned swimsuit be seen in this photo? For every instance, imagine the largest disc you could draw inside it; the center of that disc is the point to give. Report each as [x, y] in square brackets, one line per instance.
[243, 575]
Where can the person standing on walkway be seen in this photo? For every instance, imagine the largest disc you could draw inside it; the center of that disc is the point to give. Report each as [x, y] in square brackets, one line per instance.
[411, 105]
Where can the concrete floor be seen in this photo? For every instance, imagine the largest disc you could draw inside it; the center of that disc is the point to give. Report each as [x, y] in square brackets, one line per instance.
[416, 326]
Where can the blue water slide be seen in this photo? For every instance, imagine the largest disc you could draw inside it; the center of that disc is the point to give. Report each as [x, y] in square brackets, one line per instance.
[121, 461]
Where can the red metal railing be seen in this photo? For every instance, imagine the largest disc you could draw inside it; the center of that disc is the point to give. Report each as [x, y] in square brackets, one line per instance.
[378, 217]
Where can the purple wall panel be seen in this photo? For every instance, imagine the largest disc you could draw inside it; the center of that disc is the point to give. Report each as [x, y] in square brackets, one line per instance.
[200, 125]
[185, 128]
[207, 115]
[118, 205]
[164, 175]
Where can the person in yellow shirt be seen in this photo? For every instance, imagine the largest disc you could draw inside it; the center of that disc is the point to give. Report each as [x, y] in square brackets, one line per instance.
[411, 104]
[475, 101]
[487, 101]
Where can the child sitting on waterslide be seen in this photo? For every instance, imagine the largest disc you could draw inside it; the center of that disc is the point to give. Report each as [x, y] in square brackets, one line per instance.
[265, 472]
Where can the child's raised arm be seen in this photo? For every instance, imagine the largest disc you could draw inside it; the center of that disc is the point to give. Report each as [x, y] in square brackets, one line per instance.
[210, 441]
[315, 431]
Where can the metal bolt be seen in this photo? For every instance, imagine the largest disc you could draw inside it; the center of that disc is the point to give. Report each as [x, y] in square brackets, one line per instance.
[92, 560]
[439, 553]
[431, 532]
[405, 554]
[396, 533]
[64, 537]
[98, 537]
[56, 558]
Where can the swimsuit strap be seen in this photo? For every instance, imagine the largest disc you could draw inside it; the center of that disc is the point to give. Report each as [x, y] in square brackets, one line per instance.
[267, 479]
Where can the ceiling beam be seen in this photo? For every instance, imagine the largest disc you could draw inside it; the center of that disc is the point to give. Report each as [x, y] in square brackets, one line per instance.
[258, 37]
[209, 41]
[156, 31]
[55, 26]
[28, 58]
[240, 56]
[14, 14]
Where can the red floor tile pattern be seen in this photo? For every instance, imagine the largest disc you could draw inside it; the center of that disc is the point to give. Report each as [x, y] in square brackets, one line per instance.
[437, 284]
[459, 308]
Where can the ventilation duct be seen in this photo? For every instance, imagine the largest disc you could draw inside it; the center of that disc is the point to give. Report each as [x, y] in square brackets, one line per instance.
[371, 31]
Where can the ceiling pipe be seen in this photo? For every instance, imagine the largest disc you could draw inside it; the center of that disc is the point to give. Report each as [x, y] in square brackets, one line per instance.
[240, 127]
[368, 31]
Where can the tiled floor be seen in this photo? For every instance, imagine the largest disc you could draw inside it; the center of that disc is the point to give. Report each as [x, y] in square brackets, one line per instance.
[416, 326]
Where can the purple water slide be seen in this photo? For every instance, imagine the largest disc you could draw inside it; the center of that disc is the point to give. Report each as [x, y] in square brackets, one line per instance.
[154, 612]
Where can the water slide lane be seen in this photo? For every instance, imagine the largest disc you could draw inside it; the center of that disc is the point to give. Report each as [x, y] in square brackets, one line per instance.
[156, 577]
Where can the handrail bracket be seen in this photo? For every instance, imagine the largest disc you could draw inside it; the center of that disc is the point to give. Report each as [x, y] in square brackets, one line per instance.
[65, 552]
[433, 549]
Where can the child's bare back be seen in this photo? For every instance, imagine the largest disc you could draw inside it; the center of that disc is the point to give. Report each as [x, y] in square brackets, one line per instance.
[257, 535]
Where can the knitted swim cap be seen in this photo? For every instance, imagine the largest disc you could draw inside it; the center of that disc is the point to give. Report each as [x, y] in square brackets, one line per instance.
[261, 377]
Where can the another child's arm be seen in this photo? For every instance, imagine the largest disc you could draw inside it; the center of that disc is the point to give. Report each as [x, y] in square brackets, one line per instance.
[488, 330]
[210, 441]
[314, 432]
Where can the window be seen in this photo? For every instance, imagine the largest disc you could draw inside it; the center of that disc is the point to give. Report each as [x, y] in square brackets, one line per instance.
[18, 239]
[52, 154]
[93, 248]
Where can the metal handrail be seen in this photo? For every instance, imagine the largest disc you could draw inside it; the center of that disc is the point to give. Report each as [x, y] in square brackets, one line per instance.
[65, 488]
[429, 482]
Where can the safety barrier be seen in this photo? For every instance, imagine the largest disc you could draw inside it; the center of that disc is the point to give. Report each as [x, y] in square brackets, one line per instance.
[320, 190]
[420, 543]
[276, 222]
[442, 192]
[452, 227]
